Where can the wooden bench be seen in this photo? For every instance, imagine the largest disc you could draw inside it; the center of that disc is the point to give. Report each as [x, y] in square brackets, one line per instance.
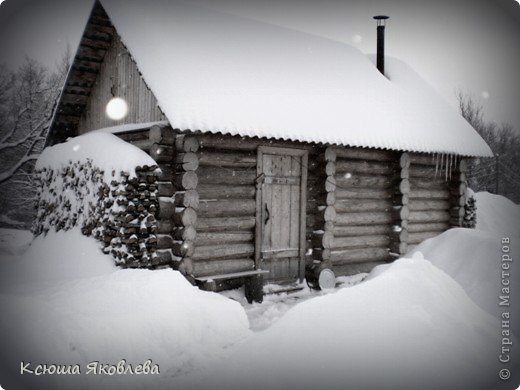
[253, 283]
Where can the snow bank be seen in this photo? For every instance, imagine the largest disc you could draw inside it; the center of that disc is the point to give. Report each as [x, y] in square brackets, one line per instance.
[84, 310]
[498, 215]
[474, 257]
[409, 326]
[205, 75]
[108, 152]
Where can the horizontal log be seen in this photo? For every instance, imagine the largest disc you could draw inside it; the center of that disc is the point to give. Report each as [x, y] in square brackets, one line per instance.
[187, 233]
[360, 242]
[458, 200]
[358, 181]
[186, 266]
[225, 224]
[458, 188]
[183, 248]
[185, 180]
[330, 168]
[164, 241]
[185, 217]
[186, 143]
[425, 205]
[226, 142]
[216, 267]
[404, 161]
[399, 235]
[166, 173]
[404, 187]
[343, 256]
[330, 184]
[362, 193]
[417, 238]
[166, 207]
[365, 154]
[227, 207]
[164, 257]
[189, 198]
[363, 167]
[207, 252]
[215, 191]
[357, 205]
[428, 227]
[457, 212]
[324, 240]
[428, 216]
[229, 160]
[186, 161]
[423, 159]
[398, 248]
[356, 268]
[367, 218]
[165, 188]
[165, 225]
[329, 154]
[425, 172]
[162, 135]
[429, 194]
[431, 184]
[321, 253]
[328, 199]
[215, 175]
[224, 238]
[144, 144]
[360, 230]
[161, 153]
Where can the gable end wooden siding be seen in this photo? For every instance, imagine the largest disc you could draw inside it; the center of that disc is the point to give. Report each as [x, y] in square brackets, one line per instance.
[119, 77]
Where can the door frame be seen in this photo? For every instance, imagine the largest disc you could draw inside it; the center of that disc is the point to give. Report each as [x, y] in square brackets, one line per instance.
[304, 154]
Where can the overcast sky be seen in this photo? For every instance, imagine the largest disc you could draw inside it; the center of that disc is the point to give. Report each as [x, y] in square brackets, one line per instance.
[472, 45]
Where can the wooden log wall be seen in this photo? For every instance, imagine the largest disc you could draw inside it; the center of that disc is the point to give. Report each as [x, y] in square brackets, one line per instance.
[118, 76]
[458, 192]
[400, 231]
[430, 200]
[362, 214]
[227, 169]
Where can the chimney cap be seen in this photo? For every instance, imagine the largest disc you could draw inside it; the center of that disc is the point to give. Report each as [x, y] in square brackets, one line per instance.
[381, 17]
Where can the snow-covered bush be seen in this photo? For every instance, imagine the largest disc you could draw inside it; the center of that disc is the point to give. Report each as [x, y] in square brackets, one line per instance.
[106, 187]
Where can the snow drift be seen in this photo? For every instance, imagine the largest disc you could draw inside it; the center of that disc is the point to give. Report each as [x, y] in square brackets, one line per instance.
[474, 257]
[408, 326]
[73, 306]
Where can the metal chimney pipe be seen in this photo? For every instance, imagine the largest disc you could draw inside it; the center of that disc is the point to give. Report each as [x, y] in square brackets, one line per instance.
[381, 22]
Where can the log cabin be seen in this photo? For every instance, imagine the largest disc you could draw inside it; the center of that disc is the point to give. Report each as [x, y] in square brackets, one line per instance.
[283, 155]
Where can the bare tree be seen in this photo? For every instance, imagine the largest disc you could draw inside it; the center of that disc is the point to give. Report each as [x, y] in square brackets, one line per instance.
[27, 100]
[499, 174]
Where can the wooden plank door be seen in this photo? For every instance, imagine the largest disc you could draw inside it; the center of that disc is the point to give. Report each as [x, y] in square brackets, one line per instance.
[280, 212]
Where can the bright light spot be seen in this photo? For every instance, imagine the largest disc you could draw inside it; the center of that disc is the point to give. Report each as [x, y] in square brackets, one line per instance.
[357, 38]
[75, 148]
[117, 108]
[348, 175]
[485, 95]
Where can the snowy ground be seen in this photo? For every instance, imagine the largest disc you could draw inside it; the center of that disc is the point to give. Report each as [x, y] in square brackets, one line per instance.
[411, 324]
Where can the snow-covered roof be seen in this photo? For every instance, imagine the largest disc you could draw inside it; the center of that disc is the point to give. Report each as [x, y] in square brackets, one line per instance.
[215, 72]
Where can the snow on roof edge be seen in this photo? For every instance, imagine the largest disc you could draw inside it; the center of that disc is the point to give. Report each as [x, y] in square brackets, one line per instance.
[191, 111]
